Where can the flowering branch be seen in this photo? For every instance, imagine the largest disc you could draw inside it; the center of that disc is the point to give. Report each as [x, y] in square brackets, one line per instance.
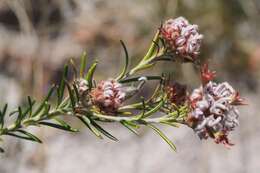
[210, 110]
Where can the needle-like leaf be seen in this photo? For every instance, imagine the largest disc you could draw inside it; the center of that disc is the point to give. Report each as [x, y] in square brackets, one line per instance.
[61, 87]
[103, 131]
[152, 46]
[88, 124]
[71, 95]
[25, 135]
[83, 64]
[30, 106]
[60, 125]
[2, 115]
[76, 92]
[164, 137]
[41, 106]
[89, 75]
[129, 127]
[124, 71]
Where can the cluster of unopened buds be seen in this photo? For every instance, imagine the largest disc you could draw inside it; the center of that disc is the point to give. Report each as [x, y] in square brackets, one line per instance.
[210, 110]
[108, 96]
[213, 109]
[182, 37]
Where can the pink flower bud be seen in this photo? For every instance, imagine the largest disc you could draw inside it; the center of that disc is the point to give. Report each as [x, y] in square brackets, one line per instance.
[108, 96]
[206, 74]
[182, 37]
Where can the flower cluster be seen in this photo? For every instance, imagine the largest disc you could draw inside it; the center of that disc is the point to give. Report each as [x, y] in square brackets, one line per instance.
[176, 93]
[181, 37]
[213, 109]
[108, 96]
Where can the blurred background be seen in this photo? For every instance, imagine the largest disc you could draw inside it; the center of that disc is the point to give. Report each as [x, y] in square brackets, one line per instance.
[37, 37]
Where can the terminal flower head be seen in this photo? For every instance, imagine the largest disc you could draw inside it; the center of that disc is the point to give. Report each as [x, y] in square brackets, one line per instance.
[182, 37]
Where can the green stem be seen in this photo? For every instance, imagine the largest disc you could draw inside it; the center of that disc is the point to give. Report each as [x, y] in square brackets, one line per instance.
[151, 54]
[134, 119]
[146, 63]
[33, 121]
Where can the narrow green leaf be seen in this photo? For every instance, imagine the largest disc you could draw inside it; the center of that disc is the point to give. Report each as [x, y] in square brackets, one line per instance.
[23, 114]
[83, 64]
[26, 137]
[124, 71]
[71, 95]
[76, 92]
[27, 111]
[30, 122]
[155, 109]
[36, 139]
[103, 131]
[132, 124]
[153, 46]
[64, 124]
[173, 124]
[164, 137]
[89, 75]
[19, 116]
[88, 124]
[74, 68]
[5, 109]
[41, 106]
[30, 107]
[13, 113]
[129, 127]
[65, 103]
[59, 126]
[47, 108]
[61, 87]
[2, 115]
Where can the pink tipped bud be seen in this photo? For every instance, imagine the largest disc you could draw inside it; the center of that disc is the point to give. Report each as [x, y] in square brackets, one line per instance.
[237, 100]
[108, 96]
[206, 74]
[182, 37]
